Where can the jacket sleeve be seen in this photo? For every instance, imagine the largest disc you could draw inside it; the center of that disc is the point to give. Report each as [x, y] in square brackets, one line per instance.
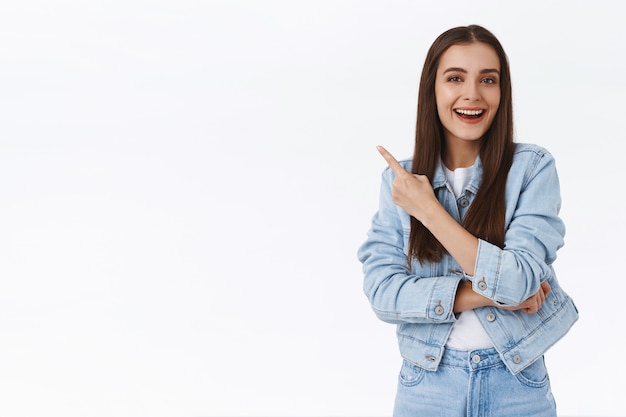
[397, 295]
[534, 234]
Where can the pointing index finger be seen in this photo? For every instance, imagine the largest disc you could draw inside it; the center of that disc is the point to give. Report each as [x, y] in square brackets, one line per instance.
[393, 163]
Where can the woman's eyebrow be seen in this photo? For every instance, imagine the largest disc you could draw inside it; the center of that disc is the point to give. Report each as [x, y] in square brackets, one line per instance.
[455, 69]
[464, 71]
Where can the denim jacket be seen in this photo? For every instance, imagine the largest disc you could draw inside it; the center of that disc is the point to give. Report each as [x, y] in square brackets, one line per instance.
[419, 298]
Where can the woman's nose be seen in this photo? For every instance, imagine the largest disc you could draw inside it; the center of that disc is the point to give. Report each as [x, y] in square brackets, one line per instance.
[471, 92]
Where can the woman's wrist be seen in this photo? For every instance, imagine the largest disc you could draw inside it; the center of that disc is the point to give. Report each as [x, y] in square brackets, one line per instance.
[468, 299]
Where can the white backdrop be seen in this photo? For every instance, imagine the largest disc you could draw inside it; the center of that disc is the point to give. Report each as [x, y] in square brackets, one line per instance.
[184, 185]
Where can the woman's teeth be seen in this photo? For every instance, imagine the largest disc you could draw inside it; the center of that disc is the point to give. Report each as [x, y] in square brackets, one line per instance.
[469, 112]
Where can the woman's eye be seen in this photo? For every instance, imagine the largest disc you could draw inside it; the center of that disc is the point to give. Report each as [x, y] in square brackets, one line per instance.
[488, 80]
[455, 79]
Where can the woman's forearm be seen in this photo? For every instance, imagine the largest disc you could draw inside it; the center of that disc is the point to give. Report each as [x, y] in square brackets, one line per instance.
[460, 244]
[467, 299]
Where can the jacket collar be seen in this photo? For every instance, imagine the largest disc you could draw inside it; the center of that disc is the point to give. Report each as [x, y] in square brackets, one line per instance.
[440, 180]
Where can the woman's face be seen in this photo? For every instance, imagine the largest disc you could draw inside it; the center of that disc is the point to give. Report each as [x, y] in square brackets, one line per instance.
[467, 91]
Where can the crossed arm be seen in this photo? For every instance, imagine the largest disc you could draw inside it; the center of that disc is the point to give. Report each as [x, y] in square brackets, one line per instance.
[415, 195]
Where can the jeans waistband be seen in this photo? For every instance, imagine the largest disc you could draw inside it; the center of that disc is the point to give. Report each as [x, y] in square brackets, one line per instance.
[472, 359]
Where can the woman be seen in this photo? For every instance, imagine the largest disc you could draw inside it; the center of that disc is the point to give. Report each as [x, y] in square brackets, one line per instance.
[459, 255]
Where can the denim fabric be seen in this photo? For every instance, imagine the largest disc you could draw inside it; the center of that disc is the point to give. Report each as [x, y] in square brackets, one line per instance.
[419, 298]
[474, 384]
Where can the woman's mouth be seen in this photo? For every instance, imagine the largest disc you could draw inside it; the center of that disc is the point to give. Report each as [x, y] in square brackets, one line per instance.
[469, 115]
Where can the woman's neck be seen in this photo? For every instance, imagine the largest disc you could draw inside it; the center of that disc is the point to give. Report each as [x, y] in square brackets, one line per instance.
[460, 156]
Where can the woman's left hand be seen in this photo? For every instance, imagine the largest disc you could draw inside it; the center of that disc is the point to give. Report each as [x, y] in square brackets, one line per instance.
[534, 302]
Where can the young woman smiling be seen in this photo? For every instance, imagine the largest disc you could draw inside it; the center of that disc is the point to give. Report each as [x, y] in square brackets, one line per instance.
[459, 255]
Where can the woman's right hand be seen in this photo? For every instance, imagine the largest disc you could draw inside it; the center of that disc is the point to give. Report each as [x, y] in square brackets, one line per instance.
[533, 303]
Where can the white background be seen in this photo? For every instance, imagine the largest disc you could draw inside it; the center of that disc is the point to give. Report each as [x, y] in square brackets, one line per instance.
[184, 185]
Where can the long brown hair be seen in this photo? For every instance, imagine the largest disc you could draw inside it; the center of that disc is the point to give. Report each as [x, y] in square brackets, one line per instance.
[485, 217]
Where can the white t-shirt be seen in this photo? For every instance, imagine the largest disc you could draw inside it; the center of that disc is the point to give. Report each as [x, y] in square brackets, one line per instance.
[467, 332]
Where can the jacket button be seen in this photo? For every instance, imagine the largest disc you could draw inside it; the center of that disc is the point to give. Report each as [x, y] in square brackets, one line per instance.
[464, 202]
[476, 358]
[491, 317]
[431, 358]
[439, 310]
[517, 359]
[482, 285]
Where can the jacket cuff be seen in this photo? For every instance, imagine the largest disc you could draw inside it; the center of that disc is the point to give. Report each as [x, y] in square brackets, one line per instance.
[441, 303]
[487, 272]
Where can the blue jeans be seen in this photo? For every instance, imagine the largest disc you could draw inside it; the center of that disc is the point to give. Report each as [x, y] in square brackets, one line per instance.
[474, 384]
